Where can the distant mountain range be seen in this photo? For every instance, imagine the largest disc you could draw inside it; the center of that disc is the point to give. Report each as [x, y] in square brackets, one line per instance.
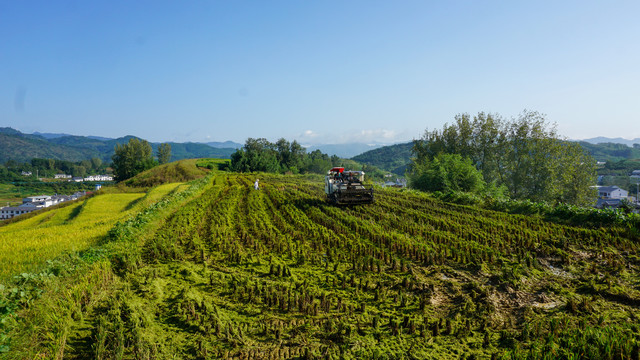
[226, 144]
[344, 150]
[601, 140]
[21, 147]
[17, 146]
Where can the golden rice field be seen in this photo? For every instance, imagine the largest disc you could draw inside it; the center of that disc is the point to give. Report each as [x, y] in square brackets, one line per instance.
[25, 245]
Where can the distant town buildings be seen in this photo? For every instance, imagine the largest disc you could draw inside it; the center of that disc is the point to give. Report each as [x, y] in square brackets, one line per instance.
[98, 178]
[87, 178]
[612, 197]
[399, 183]
[33, 203]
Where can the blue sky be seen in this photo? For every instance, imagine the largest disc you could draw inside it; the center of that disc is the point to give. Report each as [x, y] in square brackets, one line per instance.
[315, 71]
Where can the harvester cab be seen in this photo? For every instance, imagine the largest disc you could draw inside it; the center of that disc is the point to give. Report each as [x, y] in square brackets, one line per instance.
[346, 187]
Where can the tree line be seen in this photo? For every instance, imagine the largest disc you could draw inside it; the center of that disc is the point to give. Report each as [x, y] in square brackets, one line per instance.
[49, 167]
[289, 157]
[523, 157]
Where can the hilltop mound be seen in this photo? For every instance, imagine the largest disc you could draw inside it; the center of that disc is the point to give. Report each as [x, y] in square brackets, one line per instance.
[177, 171]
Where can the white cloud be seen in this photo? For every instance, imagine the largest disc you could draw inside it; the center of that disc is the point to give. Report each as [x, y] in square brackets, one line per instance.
[367, 136]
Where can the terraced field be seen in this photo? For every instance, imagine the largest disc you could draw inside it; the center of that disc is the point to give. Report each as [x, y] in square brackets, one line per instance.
[279, 274]
[26, 244]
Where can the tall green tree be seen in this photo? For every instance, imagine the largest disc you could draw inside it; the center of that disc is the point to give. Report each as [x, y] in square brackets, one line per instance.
[164, 153]
[96, 163]
[132, 158]
[525, 154]
[79, 171]
[256, 155]
[447, 172]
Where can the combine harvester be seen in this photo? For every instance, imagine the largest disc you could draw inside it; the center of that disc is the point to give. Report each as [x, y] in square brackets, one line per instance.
[346, 187]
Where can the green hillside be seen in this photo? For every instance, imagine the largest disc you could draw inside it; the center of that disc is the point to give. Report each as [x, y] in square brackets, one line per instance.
[181, 151]
[611, 151]
[219, 270]
[393, 158]
[20, 147]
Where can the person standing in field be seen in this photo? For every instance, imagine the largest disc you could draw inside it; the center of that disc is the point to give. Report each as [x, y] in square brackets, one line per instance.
[255, 185]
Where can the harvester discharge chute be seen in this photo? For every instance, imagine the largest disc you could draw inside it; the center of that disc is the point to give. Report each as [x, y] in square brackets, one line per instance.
[346, 187]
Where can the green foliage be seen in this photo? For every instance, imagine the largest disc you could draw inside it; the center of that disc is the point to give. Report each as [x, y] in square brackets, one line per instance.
[525, 154]
[447, 172]
[131, 159]
[286, 157]
[213, 164]
[558, 213]
[256, 155]
[50, 167]
[164, 153]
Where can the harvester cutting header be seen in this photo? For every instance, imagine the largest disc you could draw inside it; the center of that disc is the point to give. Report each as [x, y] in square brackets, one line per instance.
[346, 187]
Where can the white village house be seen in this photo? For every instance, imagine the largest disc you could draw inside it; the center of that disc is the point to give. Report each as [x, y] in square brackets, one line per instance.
[610, 196]
[33, 203]
[612, 192]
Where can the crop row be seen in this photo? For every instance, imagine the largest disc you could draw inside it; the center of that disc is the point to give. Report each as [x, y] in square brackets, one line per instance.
[279, 273]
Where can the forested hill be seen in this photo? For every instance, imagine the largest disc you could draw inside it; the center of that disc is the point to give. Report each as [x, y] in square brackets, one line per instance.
[394, 158]
[612, 151]
[20, 147]
[23, 148]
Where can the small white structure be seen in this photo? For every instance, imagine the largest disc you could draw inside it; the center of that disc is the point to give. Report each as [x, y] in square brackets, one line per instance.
[26, 173]
[62, 176]
[636, 174]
